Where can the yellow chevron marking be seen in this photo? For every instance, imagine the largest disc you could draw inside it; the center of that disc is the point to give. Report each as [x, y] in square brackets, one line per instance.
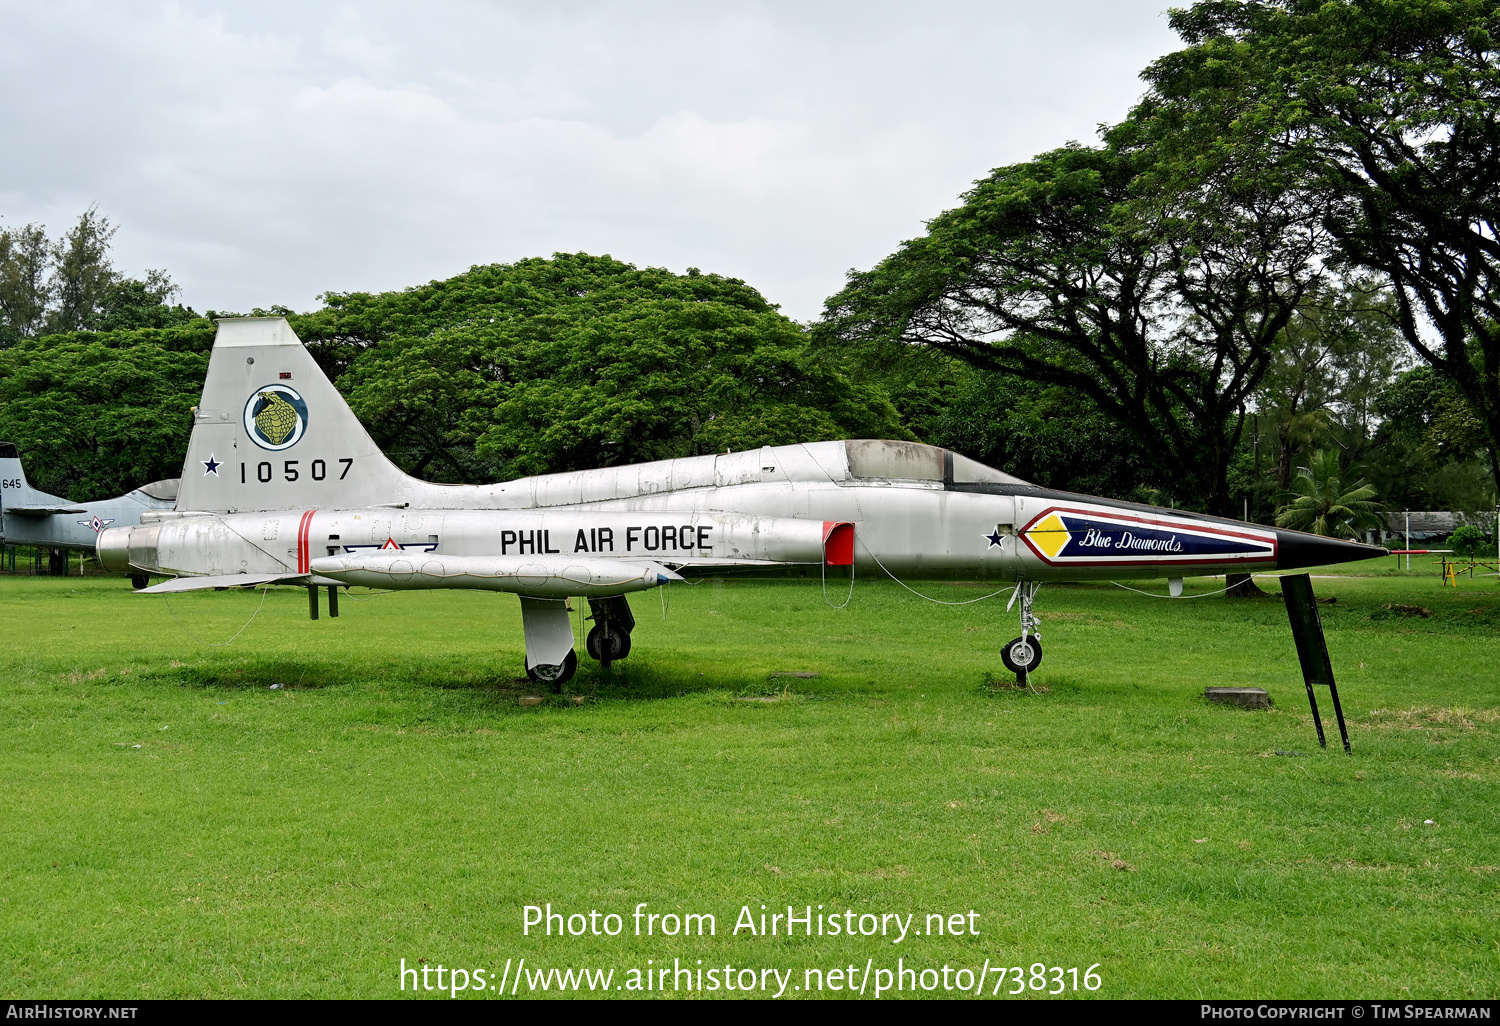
[1049, 535]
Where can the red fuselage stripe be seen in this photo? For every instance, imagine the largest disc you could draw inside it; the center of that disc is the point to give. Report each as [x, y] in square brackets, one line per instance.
[304, 564]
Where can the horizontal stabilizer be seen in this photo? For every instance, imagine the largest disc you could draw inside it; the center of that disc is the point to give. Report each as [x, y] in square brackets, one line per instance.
[42, 511]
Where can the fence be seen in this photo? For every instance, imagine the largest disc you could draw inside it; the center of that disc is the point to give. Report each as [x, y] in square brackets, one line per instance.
[29, 561]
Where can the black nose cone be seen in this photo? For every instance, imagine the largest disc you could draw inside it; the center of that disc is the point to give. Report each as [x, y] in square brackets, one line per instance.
[1296, 549]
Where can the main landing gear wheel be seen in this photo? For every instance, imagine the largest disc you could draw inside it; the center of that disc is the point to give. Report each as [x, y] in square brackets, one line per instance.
[607, 645]
[139, 581]
[1023, 655]
[555, 675]
[610, 638]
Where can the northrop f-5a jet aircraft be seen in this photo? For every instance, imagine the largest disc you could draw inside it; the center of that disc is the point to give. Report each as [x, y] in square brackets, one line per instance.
[32, 517]
[283, 485]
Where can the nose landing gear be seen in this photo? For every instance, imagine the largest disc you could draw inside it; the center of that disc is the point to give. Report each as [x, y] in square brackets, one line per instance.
[1024, 654]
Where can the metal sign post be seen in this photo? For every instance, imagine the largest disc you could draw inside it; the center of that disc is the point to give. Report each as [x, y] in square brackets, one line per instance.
[1312, 648]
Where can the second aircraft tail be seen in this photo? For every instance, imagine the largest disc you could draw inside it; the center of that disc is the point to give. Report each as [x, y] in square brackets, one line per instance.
[15, 490]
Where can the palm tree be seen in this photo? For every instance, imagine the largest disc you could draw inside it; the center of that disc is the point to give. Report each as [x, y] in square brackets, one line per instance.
[1322, 502]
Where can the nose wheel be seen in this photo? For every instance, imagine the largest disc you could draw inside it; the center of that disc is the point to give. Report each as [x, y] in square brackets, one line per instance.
[1023, 655]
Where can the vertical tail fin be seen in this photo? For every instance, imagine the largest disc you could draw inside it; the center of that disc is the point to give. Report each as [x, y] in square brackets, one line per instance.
[271, 432]
[15, 490]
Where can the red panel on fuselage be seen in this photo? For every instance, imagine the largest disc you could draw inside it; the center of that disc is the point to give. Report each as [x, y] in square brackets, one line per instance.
[838, 543]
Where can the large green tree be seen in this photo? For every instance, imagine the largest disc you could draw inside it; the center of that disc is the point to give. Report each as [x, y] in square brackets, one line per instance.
[1045, 434]
[81, 274]
[67, 284]
[95, 415]
[1384, 111]
[1094, 270]
[1429, 449]
[580, 361]
[25, 257]
[1332, 361]
[509, 369]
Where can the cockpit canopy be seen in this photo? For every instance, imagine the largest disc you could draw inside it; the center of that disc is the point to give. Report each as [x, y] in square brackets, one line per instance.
[855, 461]
[882, 459]
[165, 491]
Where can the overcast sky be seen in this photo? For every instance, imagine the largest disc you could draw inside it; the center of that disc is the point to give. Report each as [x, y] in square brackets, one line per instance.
[265, 153]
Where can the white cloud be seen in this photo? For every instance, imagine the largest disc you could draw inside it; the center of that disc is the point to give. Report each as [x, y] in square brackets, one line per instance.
[265, 154]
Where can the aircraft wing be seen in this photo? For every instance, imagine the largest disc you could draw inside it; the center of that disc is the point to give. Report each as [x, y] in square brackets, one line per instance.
[710, 561]
[42, 511]
[554, 575]
[178, 584]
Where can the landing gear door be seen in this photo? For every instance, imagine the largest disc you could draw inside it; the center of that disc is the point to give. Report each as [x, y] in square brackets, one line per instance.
[549, 631]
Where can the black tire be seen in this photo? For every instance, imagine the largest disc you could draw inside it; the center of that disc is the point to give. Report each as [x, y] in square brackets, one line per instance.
[554, 675]
[607, 649]
[1022, 658]
[139, 581]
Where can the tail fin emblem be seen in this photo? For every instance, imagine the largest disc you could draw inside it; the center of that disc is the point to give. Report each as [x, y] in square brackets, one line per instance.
[275, 417]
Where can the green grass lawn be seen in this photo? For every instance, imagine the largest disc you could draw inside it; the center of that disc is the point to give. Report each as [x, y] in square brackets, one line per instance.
[174, 825]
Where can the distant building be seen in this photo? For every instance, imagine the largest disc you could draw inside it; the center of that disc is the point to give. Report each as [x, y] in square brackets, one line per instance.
[1426, 526]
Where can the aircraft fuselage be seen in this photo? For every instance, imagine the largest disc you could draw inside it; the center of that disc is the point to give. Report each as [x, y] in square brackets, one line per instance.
[910, 530]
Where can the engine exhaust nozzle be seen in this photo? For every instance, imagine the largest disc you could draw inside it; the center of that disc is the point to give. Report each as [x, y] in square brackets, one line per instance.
[112, 548]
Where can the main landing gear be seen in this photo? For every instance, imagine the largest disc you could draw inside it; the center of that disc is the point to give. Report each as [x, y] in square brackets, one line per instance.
[554, 675]
[550, 658]
[1023, 655]
[609, 640]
